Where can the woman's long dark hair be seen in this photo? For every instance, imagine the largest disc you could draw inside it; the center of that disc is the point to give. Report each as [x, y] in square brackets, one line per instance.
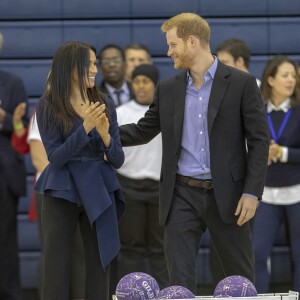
[271, 69]
[55, 105]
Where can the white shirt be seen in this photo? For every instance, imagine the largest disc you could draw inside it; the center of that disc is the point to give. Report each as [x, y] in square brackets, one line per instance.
[34, 134]
[124, 96]
[143, 161]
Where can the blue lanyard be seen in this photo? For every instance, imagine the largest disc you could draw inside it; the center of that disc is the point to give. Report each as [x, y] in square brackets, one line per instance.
[276, 136]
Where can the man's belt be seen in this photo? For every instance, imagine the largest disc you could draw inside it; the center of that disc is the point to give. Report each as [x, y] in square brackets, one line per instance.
[194, 182]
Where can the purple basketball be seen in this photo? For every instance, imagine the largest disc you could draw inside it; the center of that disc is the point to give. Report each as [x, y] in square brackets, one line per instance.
[175, 292]
[137, 286]
[235, 286]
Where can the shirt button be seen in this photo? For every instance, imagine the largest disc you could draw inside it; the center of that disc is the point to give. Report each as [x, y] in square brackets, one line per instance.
[200, 116]
[202, 149]
[200, 98]
[201, 132]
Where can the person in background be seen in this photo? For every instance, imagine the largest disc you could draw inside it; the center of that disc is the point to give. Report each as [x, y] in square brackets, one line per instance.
[78, 127]
[280, 90]
[142, 246]
[208, 178]
[112, 64]
[235, 53]
[12, 183]
[135, 55]
[26, 140]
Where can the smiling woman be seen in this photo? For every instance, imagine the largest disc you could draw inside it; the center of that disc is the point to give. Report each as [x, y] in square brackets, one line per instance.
[78, 127]
[280, 89]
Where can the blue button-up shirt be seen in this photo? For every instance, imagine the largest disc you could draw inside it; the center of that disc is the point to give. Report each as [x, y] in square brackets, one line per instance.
[194, 160]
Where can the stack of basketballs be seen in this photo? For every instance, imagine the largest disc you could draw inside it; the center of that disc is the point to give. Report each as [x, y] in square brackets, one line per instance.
[142, 286]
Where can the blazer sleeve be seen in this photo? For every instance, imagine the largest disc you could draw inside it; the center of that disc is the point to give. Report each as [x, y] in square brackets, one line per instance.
[60, 150]
[115, 154]
[257, 137]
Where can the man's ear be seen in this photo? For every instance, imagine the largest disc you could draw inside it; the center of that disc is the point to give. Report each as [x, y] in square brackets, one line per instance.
[240, 63]
[193, 41]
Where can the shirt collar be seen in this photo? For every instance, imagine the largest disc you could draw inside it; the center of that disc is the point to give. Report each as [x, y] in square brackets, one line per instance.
[284, 106]
[210, 72]
[123, 87]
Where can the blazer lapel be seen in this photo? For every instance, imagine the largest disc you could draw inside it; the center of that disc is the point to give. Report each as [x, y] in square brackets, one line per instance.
[218, 89]
[179, 104]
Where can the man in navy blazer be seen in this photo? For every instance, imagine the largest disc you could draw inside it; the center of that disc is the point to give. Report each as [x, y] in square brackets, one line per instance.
[215, 151]
[12, 185]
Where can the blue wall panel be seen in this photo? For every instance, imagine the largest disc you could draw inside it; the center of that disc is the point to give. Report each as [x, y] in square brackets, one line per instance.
[30, 9]
[165, 8]
[286, 7]
[96, 8]
[233, 8]
[29, 264]
[285, 35]
[30, 39]
[166, 67]
[28, 234]
[24, 201]
[253, 31]
[148, 32]
[98, 33]
[33, 72]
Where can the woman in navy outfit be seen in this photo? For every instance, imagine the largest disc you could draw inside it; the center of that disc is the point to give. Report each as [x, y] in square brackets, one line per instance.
[78, 126]
[280, 89]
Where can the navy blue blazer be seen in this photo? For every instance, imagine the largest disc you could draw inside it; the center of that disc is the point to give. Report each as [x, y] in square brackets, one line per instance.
[12, 169]
[286, 174]
[78, 173]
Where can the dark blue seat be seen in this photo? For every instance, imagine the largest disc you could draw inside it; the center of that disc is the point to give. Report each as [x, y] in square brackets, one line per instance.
[253, 31]
[33, 72]
[29, 271]
[98, 33]
[284, 35]
[234, 8]
[257, 64]
[31, 39]
[286, 7]
[166, 8]
[165, 66]
[96, 9]
[24, 201]
[30, 9]
[28, 234]
[35, 9]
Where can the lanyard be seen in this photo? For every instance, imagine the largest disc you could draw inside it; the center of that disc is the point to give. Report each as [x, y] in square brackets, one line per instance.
[276, 136]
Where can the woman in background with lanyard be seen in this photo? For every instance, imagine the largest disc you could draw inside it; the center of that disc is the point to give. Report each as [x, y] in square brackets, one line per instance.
[280, 89]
